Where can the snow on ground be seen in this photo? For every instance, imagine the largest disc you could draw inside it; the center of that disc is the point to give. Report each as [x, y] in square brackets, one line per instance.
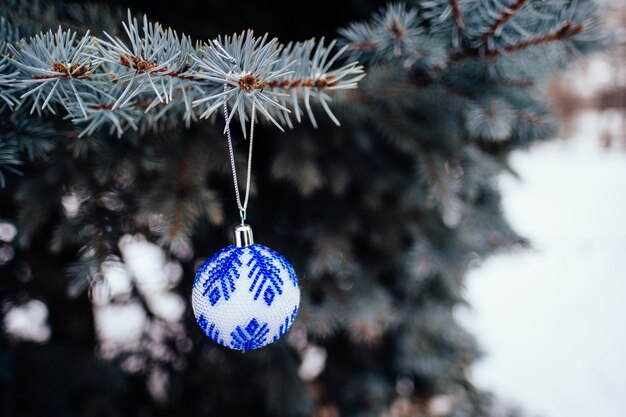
[552, 320]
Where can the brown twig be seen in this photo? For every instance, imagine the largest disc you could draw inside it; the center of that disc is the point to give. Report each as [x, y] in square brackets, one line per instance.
[100, 106]
[363, 46]
[74, 71]
[179, 194]
[504, 17]
[397, 30]
[137, 63]
[566, 31]
[458, 17]
[250, 82]
[321, 83]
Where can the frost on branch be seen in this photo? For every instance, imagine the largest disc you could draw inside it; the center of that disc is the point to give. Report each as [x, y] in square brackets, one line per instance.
[154, 76]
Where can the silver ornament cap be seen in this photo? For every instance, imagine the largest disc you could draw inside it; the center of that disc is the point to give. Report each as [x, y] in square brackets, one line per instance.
[243, 235]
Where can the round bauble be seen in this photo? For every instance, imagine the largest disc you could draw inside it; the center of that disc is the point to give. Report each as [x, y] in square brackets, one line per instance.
[245, 297]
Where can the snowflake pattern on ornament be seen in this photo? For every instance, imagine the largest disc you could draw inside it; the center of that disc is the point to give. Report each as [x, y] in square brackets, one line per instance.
[245, 297]
[282, 329]
[219, 285]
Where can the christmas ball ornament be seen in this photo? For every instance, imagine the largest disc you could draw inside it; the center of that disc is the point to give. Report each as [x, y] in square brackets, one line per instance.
[245, 296]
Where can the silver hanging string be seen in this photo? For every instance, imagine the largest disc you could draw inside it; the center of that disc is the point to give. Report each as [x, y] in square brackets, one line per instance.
[242, 207]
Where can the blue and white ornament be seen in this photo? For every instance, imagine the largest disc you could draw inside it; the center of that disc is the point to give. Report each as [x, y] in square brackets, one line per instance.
[245, 296]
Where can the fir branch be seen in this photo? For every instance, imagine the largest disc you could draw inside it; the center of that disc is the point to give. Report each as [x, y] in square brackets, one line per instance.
[458, 16]
[52, 85]
[502, 18]
[392, 33]
[566, 31]
[9, 158]
[156, 74]
[6, 76]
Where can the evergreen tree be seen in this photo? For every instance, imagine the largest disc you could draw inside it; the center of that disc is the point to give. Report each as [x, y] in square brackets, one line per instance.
[103, 142]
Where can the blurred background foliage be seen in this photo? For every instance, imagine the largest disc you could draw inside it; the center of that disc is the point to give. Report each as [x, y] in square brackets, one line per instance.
[381, 217]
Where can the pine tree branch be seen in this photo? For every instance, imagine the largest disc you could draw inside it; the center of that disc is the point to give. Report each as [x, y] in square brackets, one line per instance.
[155, 74]
[502, 18]
[393, 33]
[566, 31]
[458, 16]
